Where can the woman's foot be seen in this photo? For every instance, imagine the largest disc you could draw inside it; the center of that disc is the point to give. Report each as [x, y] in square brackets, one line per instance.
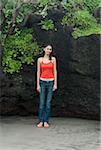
[40, 125]
[46, 125]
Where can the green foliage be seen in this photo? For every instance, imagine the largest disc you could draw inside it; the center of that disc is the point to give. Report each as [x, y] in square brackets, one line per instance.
[79, 15]
[19, 49]
[13, 13]
[26, 9]
[71, 7]
[43, 3]
[85, 32]
[83, 19]
[68, 19]
[47, 24]
[91, 5]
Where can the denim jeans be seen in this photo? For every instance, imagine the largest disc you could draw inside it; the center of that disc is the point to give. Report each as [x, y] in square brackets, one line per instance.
[46, 92]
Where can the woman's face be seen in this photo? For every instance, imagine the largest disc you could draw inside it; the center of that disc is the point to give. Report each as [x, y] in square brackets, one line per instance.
[48, 49]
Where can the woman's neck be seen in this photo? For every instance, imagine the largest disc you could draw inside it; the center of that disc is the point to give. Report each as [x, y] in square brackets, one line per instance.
[46, 56]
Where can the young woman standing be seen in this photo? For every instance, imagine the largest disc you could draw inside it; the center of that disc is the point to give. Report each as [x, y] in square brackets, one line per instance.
[46, 84]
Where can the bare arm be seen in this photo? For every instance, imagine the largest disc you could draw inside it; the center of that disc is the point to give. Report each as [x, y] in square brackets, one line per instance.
[38, 71]
[55, 72]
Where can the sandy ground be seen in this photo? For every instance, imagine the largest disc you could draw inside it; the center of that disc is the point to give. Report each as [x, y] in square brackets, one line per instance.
[21, 133]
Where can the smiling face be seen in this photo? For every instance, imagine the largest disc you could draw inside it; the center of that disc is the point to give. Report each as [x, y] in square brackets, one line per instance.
[48, 49]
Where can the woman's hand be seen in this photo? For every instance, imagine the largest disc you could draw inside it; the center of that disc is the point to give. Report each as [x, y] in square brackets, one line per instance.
[38, 88]
[54, 87]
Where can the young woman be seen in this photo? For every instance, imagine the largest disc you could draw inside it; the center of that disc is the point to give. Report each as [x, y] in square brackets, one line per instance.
[46, 84]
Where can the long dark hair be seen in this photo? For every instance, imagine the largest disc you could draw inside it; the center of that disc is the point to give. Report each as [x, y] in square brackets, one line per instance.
[50, 56]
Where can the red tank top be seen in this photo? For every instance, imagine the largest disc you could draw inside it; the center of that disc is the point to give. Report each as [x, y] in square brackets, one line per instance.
[47, 70]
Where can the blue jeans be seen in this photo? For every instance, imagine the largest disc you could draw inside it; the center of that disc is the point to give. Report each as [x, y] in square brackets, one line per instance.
[46, 92]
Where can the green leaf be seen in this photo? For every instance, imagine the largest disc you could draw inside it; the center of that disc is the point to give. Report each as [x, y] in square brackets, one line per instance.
[47, 24]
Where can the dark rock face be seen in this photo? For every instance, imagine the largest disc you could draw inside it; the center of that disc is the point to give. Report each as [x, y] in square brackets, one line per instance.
[78, 64]
[97, 14]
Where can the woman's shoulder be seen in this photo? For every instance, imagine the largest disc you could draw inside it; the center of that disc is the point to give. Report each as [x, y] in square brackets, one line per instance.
[53, 58]
[40, 59]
